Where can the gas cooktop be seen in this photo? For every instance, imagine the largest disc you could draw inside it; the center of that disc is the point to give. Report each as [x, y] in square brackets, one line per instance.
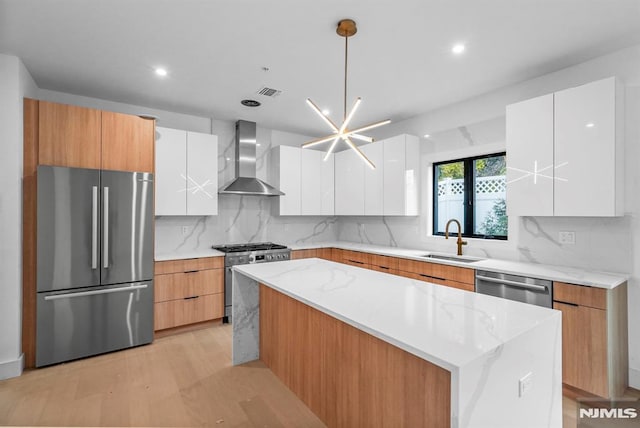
[258, 246]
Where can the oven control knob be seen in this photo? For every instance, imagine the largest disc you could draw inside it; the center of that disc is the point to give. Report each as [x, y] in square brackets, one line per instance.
[252, 259]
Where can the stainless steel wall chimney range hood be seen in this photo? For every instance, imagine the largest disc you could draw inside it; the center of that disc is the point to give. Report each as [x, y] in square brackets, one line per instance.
[246, 182]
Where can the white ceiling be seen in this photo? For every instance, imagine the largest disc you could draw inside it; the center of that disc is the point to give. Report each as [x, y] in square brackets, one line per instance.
[399, 61]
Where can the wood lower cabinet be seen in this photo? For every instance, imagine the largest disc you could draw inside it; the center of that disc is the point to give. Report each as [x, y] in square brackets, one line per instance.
[188, 291]
[451, 276]
[321, 253]
[594, 338]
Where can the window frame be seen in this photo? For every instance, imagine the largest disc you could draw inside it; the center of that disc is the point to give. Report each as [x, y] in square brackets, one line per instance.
[469, 196]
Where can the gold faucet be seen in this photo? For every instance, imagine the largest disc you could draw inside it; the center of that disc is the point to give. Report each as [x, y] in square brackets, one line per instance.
[460, 242]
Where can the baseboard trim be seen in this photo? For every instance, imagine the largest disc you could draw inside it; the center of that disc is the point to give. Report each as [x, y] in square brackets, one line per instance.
[14, 368]
[634, 378]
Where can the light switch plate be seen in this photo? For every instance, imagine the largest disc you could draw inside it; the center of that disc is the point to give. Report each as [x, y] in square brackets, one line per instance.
[566, 237]
[525, 384]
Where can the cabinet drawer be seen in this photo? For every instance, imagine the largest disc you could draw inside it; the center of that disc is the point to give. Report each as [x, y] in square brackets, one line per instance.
[355, 263]
[356, 257]
[187, 265]
[180, 285]
[580, 295]
[304, 254]
[383, 261]
[439, 281]
[188, 311]
[439, 271]
[337, 254]
[384, 269]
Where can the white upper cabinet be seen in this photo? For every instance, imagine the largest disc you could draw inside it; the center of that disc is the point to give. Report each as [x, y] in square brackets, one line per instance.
[565, 153]
[186, 177]
[285, 163]
[588, 150]
[349, 183]
[344, 184]
[305, 179]
[316, 183]
[530, 157]
[401, 175]
[373, 178]
[171, 172]
[202, 174]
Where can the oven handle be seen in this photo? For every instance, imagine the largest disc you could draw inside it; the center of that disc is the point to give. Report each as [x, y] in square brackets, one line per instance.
[514, 283]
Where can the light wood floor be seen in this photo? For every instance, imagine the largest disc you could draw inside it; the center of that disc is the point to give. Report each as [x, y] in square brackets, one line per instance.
[183, 380]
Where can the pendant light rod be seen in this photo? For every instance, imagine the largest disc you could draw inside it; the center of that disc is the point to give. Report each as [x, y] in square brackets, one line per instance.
[346, 28]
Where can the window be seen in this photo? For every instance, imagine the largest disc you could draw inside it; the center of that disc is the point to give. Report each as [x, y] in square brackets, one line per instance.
[472, 191]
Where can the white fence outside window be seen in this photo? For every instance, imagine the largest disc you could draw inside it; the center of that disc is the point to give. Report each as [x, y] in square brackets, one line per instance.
[489, 190]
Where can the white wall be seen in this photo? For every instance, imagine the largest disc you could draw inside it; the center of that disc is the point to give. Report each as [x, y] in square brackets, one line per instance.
[15, 83]
[609, 244]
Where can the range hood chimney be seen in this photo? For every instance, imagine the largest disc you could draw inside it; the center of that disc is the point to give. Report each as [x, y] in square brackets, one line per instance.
[246, 182]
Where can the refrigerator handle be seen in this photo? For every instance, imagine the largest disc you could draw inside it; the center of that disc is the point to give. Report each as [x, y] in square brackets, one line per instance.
[105, 223]
[94, 230]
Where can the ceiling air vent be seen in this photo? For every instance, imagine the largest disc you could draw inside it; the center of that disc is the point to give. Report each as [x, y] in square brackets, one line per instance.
[269, 92]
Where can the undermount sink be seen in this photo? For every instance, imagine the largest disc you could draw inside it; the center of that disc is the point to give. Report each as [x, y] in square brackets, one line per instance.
[451, 258]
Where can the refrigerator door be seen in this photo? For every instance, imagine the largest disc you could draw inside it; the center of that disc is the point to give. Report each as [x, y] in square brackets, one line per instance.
[68, 228]
[127, 227]
[93, 320]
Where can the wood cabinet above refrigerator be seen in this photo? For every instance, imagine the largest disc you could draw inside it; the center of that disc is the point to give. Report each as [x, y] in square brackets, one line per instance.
[81, 137]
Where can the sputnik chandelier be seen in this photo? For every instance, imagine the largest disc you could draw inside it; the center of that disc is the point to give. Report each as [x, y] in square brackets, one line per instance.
[346, 28]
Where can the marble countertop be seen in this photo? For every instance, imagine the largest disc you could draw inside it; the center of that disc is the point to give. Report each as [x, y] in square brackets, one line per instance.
[555, 273]
[443, 325]
[190, 254]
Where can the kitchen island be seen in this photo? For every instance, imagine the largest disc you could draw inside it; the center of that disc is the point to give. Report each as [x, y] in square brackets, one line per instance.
[364, 348]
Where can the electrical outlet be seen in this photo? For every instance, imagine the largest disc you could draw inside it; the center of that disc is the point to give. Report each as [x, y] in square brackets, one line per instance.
[567, 237]
[525, 384]
[185, 230]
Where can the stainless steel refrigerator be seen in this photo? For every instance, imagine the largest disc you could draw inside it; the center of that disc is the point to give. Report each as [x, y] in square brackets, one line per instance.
[95, 262]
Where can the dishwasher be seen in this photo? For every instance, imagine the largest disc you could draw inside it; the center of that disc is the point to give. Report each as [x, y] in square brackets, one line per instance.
[514, 287]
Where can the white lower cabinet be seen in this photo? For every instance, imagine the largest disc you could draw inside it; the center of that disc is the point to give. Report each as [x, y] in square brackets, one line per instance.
[186, 177]
[306, 180]
[565, 153]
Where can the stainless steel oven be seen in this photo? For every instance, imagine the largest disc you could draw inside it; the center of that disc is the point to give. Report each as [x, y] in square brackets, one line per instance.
[242, 254]
[513, 287]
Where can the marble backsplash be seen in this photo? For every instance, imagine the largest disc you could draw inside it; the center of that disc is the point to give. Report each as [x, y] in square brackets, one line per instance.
[243, 219]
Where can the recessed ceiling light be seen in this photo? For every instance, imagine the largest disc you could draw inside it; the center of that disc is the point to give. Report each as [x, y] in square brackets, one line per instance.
[326, 112]
[590, 125]
[161, 71]
[427, 135]
[458, 48]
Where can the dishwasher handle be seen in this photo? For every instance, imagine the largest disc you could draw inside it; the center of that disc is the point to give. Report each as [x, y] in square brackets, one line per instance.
[513, 283]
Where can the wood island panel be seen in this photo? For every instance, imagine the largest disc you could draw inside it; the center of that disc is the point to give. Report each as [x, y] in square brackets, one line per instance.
[347, 377]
